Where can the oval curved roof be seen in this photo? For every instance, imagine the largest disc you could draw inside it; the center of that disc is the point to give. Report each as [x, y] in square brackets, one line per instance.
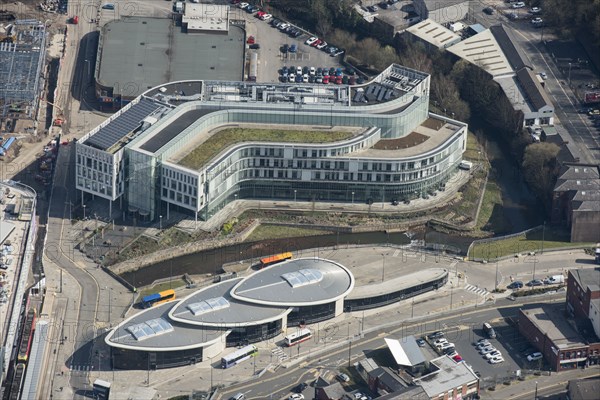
[152, 330]
[293, 283]
[214, 306]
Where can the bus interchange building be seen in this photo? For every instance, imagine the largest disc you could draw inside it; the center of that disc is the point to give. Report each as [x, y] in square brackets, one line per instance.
[388, 146]
[252, 309]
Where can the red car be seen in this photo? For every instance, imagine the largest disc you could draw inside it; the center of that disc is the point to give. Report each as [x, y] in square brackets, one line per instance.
[338, 80]
[316, 43]
[260, 14]
[457, 358]
[326, 79]
[251, 40]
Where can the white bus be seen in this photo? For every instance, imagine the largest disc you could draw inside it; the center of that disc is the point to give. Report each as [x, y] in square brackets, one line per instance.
[238, 356]
[298, 337]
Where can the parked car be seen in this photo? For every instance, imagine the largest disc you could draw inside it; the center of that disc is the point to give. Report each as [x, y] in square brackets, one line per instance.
[535, 10]
[515, 285]
[439, 342]
[243, 5]
[301, 387]
[493, 354]
[293, 48]
[537, 21]
[321, 45]
[496, 360]
[296, 396]
[284, 49]
[482, 342]
[488, 10]
[446, 346]
[486, 350]
[518, 4]
[254, 46]
[311, 40]
[535, 356]
[420, 342]
[535, 282]
[457, 358]
[436, 335]
[343, 377]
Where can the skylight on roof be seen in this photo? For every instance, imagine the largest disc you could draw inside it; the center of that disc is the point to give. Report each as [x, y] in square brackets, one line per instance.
[205, 306]
[303, 277]
[149, 329]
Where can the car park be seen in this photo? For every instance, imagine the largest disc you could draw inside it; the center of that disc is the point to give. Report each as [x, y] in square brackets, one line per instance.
[535, 356]
[515, 285]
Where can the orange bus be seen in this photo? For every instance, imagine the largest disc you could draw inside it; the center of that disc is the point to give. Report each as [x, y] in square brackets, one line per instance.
[265, 262]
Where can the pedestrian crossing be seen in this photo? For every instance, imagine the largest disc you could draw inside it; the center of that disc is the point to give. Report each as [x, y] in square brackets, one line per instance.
[476, 289]
[83, 368]
[280, 354]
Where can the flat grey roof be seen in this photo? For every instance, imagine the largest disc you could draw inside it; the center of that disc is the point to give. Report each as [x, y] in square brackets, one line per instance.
[237, 314]
[146, 52]
[449, 375]
[268, 287]
[396, 284]
[588, 278]
[176, 126]
[183, 336]
[551, 321]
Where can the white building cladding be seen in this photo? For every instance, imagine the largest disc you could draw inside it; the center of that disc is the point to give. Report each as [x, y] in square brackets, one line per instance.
[134, 155]
[252, 309]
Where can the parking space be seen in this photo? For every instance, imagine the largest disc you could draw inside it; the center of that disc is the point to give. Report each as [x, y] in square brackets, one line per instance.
[283, 45]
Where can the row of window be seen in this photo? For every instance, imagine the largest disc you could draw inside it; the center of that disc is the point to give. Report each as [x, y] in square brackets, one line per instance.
[168, 194]
[94, 186]
[179, 176]
[96, 176]
[98, 165]
[337, 176]
[179, 186]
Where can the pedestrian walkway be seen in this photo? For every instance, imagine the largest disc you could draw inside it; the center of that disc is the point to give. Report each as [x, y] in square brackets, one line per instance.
[476, 289]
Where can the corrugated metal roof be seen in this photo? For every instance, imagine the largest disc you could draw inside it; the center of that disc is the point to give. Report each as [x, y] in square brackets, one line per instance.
[405, 351]
[535, 92]
[35, 363]
[513, 53]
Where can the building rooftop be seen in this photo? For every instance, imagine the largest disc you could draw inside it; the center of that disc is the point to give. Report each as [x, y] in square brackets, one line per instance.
[533, 90]
[551, 321]
[206, 17]
[170, 335]
[389, 378]
[237, 313]
[299, 282]
[505, 38]
[584, 389]
[449, 375]
[484, 51]
[587, 278]
[396, 284]
[434, 33]
[436, 131]
[405, 351]
[146, 52]
[409, 392]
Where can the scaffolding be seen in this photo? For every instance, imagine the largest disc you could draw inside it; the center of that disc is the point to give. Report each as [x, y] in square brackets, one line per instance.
[21, 68]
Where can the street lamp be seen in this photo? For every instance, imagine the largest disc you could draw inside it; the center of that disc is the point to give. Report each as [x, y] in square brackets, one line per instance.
[160, 222]
[535, 396]
[352, 197]
[383, 268]
[543, 236]
[295, 192]
[84, 212]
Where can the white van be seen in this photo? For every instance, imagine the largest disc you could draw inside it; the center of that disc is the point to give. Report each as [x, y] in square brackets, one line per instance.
[239, 396]
[554, 280]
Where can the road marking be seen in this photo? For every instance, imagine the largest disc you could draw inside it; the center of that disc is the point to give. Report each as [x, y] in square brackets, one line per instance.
[396, 253]
[476, 289]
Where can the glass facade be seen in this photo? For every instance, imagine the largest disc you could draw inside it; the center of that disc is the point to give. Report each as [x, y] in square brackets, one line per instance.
[144, 360]
[252, 334]
[311, 314]
[389, 298]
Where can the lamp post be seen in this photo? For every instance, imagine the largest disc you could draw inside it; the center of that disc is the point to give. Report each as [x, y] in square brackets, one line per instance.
[543, 235]
[84, 212]
[535, 396]
[295, 193]
[534, 263]
[496, 286]
[569, 74]
[160, 222]
[383, 267]
[352, 197]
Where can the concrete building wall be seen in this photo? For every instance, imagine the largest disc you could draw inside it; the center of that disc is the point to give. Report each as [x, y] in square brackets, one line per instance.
[594, 314]
[584, 226]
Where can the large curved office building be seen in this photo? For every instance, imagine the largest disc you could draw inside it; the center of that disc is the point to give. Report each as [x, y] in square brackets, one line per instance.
[258, 307]
[173, 148]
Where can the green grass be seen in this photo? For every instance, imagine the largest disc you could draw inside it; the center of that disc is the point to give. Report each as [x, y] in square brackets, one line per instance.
[227, 137]
[174, 284]
[491, 217]
[473, 148]
[265, 232]
[523, 244]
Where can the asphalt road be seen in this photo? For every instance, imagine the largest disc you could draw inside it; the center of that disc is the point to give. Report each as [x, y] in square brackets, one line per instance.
[459, 328]
[530, 39]
[61, 252]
